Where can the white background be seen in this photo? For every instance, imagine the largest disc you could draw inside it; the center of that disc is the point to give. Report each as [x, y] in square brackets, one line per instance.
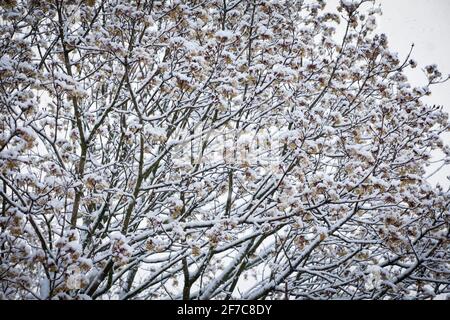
[426, 23]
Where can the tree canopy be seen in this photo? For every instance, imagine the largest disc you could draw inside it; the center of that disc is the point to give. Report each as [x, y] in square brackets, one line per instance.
[215, 149]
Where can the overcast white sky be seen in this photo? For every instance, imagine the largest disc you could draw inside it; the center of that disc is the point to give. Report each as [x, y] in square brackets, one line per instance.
[426, 23]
